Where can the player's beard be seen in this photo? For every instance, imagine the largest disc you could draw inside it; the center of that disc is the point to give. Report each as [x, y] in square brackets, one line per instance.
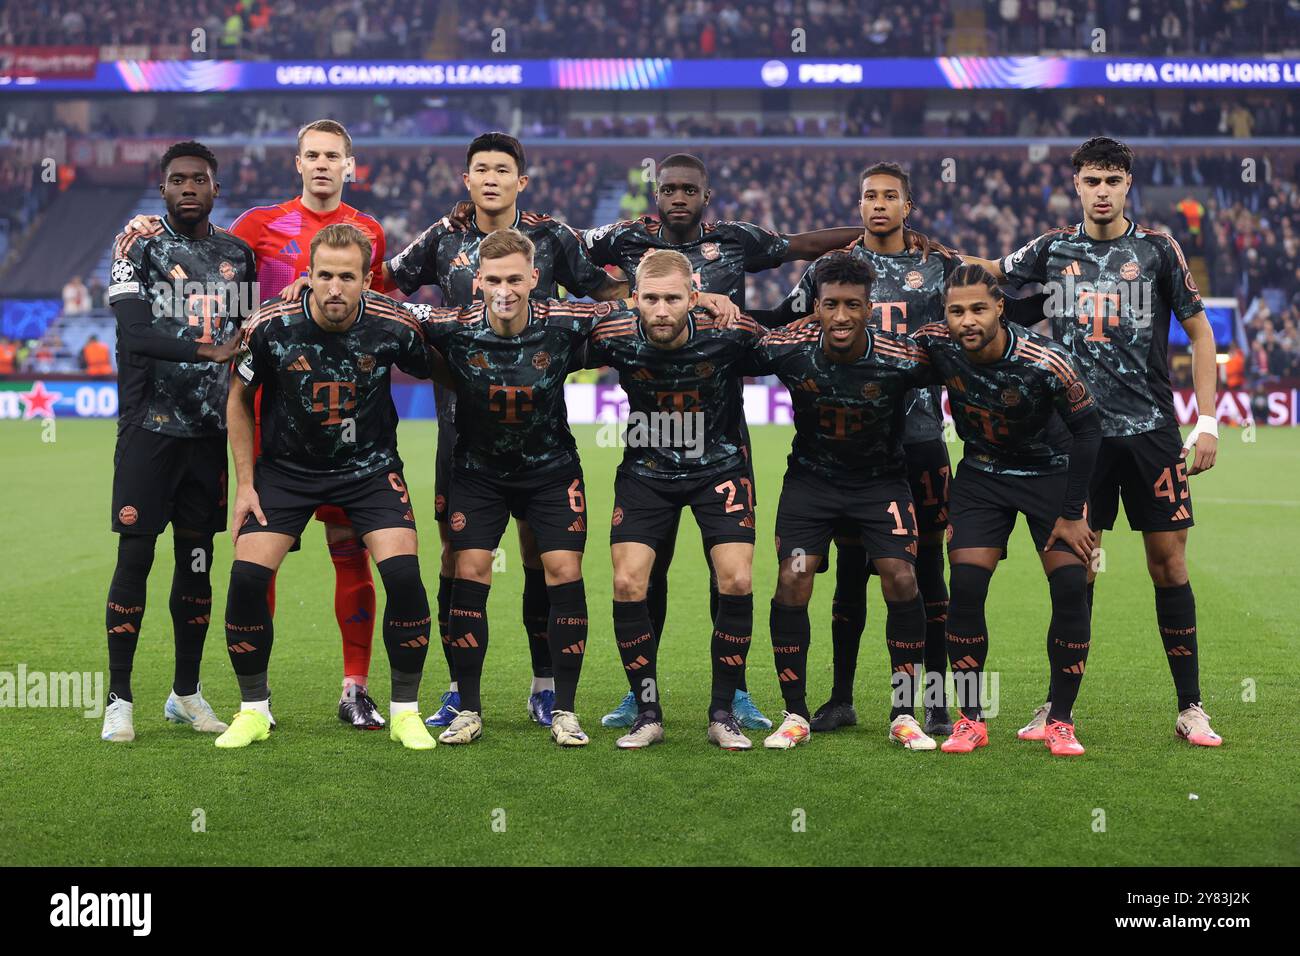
[986, 336]
[665, 333]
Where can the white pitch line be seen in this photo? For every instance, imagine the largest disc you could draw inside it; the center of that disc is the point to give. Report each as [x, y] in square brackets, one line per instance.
[1278, 502]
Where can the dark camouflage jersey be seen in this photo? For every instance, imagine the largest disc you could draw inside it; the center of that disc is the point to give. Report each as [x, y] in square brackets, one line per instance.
[327, 403]
[447, 256]
[702, 379]
[719, 257]
[906, 295]
[848, 418]
[1109, 302]
[1004, 410]
[511, 416]
[193, 287]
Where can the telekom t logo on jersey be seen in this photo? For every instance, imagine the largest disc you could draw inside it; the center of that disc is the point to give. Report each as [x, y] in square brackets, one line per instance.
[206, 311]
[1099, 310]
[334, 400]
[515, 402]
[893, 316]
[838, 421]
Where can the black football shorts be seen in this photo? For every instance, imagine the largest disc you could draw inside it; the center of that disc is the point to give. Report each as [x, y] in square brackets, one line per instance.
[1149, 473]
[647, 510]
[984, 505]
[813, 508]
[288, 500]
[161, 478]
[554, 503]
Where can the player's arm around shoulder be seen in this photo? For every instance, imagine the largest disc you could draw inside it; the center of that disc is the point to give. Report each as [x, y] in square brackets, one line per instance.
[609, 329]
[582, 317]
[931, 337]
[417, 265]
[774, 347]
[905, 352]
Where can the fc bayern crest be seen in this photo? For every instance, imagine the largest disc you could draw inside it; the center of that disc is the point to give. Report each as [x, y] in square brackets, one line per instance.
[1010, 397]
[704, 369]
[227, 270]
[914, 279]
[602, 309]
[710, 251]
[366, 363]
[541, 361]
[871, 391]
[1129, 271]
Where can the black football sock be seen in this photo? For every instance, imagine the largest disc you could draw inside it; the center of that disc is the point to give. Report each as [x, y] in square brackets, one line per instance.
[568, 639]
[656, 595]
[636, 648]
[467, 627]
[848, 617]
[537, 621]
[733, 629]
[407, 624]
[1051, 683]
[968, 639]
[905, 639]
[125, 609]
[444, 614]
[191, 607]
[1067, 637]
[249, 630]
[791, 634]
[934, 594]
[713, 584]
[1176, 618]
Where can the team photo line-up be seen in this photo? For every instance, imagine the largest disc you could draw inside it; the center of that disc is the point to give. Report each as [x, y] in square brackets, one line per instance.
[1058, 429]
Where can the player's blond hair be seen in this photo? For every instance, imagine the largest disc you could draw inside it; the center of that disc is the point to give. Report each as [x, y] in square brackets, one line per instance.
[506, 242]
[340, 235]
[658, 263]
[327, 126]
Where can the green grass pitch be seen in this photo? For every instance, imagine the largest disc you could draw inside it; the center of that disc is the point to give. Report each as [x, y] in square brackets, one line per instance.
[320, 793]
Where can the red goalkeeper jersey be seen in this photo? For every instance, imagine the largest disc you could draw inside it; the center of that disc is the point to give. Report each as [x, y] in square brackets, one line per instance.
[281, 238]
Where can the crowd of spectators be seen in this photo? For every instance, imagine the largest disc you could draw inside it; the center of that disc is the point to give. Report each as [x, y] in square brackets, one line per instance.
[557, 115]
[244, 29]
[348, 29]
[695, 29]
[1191, 27]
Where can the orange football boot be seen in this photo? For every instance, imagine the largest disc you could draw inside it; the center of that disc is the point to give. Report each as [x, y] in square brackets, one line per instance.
[966, 736]
[1060, 739]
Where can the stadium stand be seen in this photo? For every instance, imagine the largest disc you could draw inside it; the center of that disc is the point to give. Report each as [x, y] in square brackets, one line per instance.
[402, 29]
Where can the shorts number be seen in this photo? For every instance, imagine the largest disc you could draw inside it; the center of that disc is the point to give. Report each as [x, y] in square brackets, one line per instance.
[729, 487]
[1164, 486]
[576, 501]
[930, 499]
[899, 528]
[395, 480]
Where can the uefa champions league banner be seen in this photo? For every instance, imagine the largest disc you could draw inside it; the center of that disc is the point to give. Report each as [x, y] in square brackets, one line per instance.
[588, 404]
[657, 73]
